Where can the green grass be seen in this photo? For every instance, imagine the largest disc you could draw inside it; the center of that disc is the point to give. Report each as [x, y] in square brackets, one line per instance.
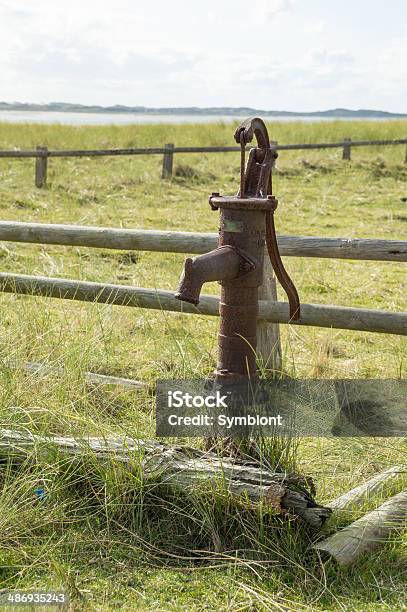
[108, 537]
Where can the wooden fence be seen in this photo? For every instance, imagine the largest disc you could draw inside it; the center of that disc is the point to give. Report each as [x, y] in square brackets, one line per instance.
[42, 153]
[270, 311]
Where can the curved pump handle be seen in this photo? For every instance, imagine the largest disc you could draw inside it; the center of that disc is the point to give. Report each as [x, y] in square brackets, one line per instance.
[254, 126]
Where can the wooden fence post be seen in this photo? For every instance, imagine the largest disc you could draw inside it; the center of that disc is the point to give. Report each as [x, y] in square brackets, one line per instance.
[268, 334]
[41, 163]
[405, 157]
[346, 148]
[168, 159]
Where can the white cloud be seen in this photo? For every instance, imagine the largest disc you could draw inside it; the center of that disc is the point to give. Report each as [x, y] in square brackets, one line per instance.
[277, 7]
[271, 54]
[391, 63]
[316, 27]
[324, 59]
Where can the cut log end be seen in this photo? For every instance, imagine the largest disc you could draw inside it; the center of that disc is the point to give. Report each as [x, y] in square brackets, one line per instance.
[367, 533]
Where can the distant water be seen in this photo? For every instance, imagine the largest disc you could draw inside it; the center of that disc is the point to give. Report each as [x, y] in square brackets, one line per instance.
[131, 118]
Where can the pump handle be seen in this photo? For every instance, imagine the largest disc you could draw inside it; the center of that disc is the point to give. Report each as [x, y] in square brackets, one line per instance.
[254, 126]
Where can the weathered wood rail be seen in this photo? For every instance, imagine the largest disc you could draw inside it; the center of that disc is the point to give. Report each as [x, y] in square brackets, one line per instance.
[45, 152]
[42, 153]
[270, 310]
[196, 243]
[358, 319]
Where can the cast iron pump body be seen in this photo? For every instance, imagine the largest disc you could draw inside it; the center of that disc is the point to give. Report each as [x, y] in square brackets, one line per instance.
[246, 226]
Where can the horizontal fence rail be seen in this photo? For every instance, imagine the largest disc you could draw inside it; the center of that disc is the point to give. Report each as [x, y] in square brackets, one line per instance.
[358, 319]
[42, 153]
[195, 243]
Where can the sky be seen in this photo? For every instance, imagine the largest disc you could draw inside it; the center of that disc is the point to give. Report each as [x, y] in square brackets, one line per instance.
[297, 55]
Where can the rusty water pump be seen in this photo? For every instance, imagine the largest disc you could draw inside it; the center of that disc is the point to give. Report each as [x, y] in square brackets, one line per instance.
[246, 225]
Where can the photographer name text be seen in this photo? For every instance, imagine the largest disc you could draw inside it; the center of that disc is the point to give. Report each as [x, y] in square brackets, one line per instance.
[224, 420]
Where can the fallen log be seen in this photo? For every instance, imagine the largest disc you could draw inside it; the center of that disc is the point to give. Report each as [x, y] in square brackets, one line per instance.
[184, 468]
[367, 533]
[362, 493]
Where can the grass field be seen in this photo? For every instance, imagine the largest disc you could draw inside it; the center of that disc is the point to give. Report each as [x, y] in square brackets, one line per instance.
[112, 539]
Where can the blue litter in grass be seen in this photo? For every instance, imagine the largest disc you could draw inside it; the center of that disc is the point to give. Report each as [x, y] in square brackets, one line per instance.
[40, 493]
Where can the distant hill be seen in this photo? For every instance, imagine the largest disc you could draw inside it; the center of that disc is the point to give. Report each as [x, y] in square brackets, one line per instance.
[195, 110]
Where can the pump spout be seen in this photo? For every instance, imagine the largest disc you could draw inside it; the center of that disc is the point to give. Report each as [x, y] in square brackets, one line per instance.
[222, 264]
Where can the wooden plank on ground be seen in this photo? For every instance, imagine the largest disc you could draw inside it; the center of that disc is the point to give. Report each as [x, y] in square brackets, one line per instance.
[367, 533]
[44, 369]
[362, 493]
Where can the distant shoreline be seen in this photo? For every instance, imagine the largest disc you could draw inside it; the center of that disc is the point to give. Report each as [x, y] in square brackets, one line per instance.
[62, 107]
[131, 118]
